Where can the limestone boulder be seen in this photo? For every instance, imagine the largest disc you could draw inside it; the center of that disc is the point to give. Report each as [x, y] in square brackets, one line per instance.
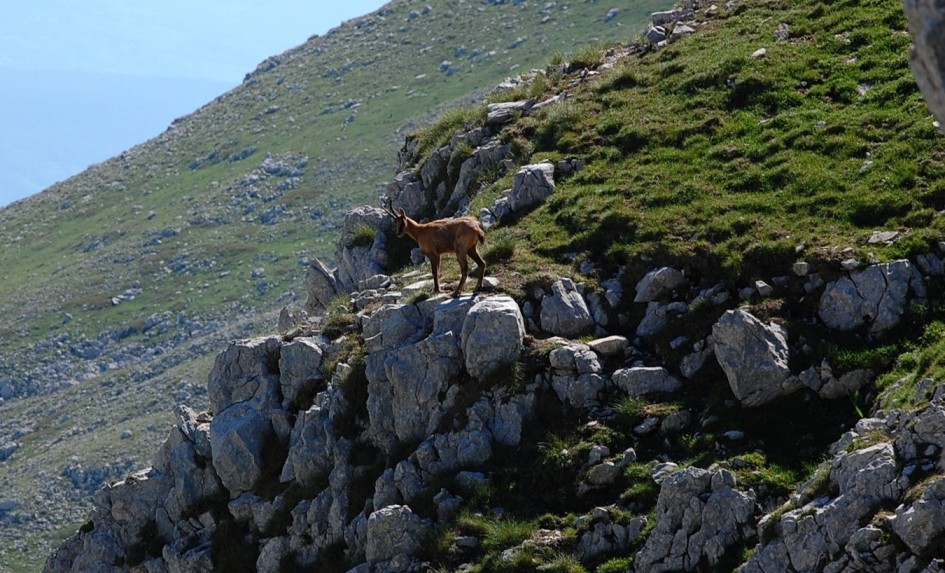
[321, 286]
[300, 369]
[874, 298]
[247, 371]
[658, 283]
[699, 516]
[238, 437]
[394, 530]
[754, 357]
[565, 311]
[645, 380]
[492, 335]
[531, 186]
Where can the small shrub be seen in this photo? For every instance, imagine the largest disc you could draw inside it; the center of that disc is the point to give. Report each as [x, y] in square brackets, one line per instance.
[630, 408]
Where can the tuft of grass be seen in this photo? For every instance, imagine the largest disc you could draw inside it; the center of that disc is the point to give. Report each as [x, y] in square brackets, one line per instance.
[589, 57]
[363, 237]
[442, 130]
[615, 565]
[500, 248]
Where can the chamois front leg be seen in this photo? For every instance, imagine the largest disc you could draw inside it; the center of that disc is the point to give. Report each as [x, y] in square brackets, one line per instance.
[435, 263]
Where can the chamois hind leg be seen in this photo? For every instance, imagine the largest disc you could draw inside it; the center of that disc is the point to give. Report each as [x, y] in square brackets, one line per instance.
[474, 253]
[435, 263]
[464, 272]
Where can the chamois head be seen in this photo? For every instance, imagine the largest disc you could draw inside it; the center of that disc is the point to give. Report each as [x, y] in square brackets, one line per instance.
[399, 219]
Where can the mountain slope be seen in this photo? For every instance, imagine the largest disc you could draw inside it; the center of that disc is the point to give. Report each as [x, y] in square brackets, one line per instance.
[121, 280]
[753, 407]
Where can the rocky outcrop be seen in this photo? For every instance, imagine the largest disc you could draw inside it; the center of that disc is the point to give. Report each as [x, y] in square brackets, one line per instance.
[565, 311]
[875, 298]
[700, 516]
[841, 517]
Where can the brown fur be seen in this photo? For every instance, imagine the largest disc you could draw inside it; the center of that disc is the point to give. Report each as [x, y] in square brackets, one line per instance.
[461, 235]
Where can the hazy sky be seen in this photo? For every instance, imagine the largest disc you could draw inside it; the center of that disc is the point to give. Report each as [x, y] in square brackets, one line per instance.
[49, 50]
[207, 39]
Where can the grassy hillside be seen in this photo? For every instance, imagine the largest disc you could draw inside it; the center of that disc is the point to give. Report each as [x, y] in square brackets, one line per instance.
[730, 164]
[122, 281]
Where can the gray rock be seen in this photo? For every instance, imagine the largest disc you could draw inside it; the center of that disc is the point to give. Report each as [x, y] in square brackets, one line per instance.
[680, 30]
[492, 335]
[927, 59]
[392, 326]
[754, 357]
[447, 505]
[312, 439]
[603, 536]
[272, 553]
[921, 525]
[247, 371]
[300, 368]
[501, 113]
[655, 34]
[394, 530]
[418, 374]
[357, 263]
[406, 191]
[657, 317]
[575, 357]
[321, 285]
[485, 157]
[700, 515]
[930, 264]
[531, 186]
[502, 415]
[603, 474]
[644, 380]
[844, 386]
[658, 283]
[819, 529]
[565, 312]
[875, 297]
[578, 391]
[7, 449]
[238, 436]
[610, 346]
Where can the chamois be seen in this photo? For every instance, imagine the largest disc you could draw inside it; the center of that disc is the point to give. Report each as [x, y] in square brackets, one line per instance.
[461, 235]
